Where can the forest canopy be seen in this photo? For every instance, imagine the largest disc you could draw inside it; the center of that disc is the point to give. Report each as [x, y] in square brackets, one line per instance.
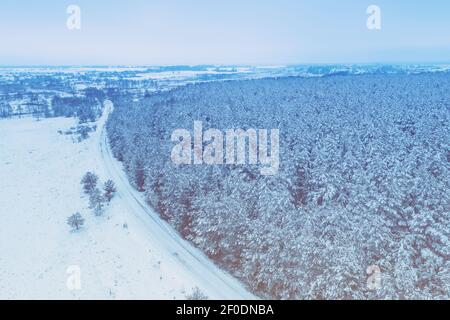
[364, 181]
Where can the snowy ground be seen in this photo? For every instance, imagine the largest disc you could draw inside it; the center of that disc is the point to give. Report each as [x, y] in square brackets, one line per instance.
[40, 172]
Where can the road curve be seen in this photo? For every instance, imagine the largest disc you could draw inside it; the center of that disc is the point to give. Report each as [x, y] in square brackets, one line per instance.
[217, 283]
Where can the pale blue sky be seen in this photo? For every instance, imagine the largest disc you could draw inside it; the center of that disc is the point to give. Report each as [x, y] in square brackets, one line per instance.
[155, 32]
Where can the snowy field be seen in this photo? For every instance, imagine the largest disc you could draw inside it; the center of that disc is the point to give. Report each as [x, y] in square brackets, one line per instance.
[117, 256]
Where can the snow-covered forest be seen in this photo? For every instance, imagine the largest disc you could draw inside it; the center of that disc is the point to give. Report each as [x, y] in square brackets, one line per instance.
[364, 181]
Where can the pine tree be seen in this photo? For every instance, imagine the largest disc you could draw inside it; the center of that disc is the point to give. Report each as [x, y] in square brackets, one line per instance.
[110, 190]
[96, 202]
[89, 182]
[139, 175]
[76, 221]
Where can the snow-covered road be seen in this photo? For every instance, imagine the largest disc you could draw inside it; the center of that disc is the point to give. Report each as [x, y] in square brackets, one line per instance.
[216, 283]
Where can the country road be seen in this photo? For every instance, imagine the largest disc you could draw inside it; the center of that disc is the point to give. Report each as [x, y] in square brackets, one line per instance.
[217, 283]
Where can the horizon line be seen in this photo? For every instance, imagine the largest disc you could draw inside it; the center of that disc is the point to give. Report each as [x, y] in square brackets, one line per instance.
[261, 65]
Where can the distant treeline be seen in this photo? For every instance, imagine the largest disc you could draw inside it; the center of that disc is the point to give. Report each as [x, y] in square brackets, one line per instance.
[85, 105]
[86, 108]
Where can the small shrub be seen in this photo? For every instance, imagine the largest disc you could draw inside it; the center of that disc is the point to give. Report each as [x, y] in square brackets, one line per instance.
[196, 294]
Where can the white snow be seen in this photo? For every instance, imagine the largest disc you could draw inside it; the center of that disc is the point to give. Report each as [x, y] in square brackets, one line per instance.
[40, 172]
